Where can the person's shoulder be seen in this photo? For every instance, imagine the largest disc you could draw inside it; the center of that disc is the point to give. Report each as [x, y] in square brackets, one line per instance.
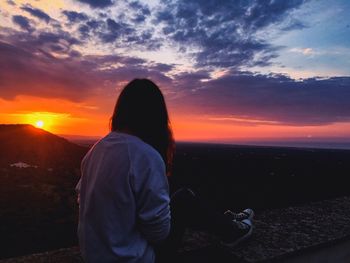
[103, 144]
[140, 150]
[100, 143]
[95, 147]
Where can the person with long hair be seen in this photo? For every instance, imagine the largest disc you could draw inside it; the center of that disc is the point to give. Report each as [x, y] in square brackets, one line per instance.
[126, 213]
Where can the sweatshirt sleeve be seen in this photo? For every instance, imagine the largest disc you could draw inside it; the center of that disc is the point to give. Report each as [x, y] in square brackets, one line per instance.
[152, 198]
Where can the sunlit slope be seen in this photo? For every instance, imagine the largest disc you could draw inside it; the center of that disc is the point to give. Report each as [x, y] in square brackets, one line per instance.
[27, 144]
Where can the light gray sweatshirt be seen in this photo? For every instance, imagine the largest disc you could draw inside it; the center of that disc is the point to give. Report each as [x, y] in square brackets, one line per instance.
[124, 200]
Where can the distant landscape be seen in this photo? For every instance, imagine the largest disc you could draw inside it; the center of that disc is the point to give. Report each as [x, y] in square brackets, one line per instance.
[37, 203]
[39, 170]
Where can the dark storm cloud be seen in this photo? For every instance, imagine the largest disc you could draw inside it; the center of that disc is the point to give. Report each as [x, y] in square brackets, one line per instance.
[98, 3]
[74, 17]
[275, 98]
[36, 13]
[225, 32]
[23, 22]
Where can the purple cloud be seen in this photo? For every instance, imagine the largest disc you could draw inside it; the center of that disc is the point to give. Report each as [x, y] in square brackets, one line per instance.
[74, 16]
[74, 77]
[23, 22]
[37, 13]
[219, 34]
[276, 98]
[225, 32]
[98, 3]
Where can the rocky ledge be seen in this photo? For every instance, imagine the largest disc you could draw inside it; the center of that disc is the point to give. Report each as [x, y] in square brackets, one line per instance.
[280, 235]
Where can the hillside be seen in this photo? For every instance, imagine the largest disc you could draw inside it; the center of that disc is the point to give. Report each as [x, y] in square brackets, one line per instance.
[38, 173]
[38, 210]
[27, 144]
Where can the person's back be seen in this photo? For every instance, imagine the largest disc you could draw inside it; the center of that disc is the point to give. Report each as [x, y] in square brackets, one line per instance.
[124, 200]
[124, 213]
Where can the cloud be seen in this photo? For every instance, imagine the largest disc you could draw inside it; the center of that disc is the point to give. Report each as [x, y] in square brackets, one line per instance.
[41, 74]
[49, 67]
[74, 17]
[161, 67]
[123, 33]
[275, 98]
[10, 2]
[294, 24]
[234, 96]
[308, 51]
[141, 11]
[223, 33]
[59, 43]
[305, 51]
[88, 27]
[37, 13]
[191, 81]
[128, 29]
[244, 121]
[23, 22]
[98, 3]
[221, 36]
[115, 30]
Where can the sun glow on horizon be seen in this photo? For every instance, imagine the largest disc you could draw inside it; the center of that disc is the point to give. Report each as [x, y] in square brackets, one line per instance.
[39, 124]
[47, 120]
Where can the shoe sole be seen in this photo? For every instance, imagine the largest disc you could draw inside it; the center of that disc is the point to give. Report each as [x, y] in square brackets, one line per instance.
[251, 214]
[239, 240]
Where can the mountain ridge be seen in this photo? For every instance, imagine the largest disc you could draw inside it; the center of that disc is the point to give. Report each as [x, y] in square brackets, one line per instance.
[25, 143]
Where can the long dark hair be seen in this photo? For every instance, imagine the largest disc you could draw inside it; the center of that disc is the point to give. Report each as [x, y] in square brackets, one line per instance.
[141, 110]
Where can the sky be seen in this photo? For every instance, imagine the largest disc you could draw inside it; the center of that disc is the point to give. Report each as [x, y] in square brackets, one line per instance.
[229, 70]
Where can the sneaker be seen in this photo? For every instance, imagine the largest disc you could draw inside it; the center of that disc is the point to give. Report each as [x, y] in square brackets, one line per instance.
[245, 230]
[245, 214]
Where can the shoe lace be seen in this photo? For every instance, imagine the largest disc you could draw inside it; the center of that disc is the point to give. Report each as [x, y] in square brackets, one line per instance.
[236, 216]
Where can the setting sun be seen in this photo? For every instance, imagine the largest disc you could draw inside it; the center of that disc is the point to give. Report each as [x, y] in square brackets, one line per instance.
[50, 121]
[39, 124]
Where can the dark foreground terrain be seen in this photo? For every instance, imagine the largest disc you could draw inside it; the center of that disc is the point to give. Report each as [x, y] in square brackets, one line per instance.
[38, 211]
[261, 177]
[314, 232]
